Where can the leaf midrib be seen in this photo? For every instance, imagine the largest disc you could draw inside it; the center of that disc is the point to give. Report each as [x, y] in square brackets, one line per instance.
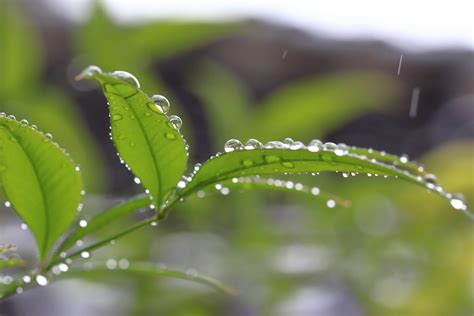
[155, 164]
[214, 179]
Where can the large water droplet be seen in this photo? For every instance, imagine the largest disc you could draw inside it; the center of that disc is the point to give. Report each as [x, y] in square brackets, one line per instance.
[126, 76]
[430, 178]
[315, 145]
[232, 144]
[403, 158]
[83, 223]
[161, 102]
[341, 150]
[85, 255]
[176, 121]
[253, 144]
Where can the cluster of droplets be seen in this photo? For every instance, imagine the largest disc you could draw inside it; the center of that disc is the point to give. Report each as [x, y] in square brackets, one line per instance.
[288, 143]
[397, 164]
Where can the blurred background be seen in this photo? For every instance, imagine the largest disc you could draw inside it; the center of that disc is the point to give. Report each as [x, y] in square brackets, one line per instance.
[397, 77]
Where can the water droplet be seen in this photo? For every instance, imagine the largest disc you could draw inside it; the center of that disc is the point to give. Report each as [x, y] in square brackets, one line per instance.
[253, 144]
[26, 279]
[341, 150]
[315, 191]
[272, 159]
[218, 186]
[403, 158]
[12, 117]
[247, 162]
[89, 72]
[116, 117]
[85, 254]
[161, 103]
[430, 178]
[79, 243]
[111, 264]
[232, 144]
[24, 122]
[225, 191]
[83, 223]
[77, 168]
[48, 136]
[457, 202]
[287, 164]
[19, 290]
[63, 267]
[8, 204]
[137, 180]
[274, 145]
[41, 280]
[331, 203]
[127, 77]
[296, 145]
[315, 145]
[176, 121]
[123, 264]
[181, 184]
[170, 136]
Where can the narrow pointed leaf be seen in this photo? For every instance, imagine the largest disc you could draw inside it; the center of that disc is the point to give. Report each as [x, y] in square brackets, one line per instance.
[242, 163]
[103, 219]
[39, 180]
[152, 270]
[145, 138]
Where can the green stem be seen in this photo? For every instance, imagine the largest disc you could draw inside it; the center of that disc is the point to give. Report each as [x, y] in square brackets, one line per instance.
[99, 244]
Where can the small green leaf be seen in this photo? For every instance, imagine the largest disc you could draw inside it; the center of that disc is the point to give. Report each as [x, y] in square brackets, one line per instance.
[39, 180]
[104, 219]
[292, 157]
[146, 139]
[152, 270]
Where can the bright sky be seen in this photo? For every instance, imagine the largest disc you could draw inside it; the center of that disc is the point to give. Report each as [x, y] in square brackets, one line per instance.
[418, 24]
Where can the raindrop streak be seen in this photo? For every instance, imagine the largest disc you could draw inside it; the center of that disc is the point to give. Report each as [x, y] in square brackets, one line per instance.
[415, 96]
[400, 64]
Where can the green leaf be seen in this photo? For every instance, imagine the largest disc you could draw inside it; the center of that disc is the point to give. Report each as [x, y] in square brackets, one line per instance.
[269, 184]
[104, 219]
[152, 270]
[40, 181]
[145, 138]
[278, 158]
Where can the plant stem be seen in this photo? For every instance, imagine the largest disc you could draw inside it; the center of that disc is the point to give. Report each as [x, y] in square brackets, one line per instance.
[99, 244]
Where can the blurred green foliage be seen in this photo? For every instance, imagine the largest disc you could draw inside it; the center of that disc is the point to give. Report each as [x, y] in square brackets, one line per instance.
[397, 251]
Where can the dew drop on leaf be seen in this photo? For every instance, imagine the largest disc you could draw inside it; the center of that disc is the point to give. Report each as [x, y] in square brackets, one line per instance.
[170, 136]
[272, 159]
[126, 76]
[232, 144]
[161, 103]
[247, 162]
[176, 121]
[116, 117]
